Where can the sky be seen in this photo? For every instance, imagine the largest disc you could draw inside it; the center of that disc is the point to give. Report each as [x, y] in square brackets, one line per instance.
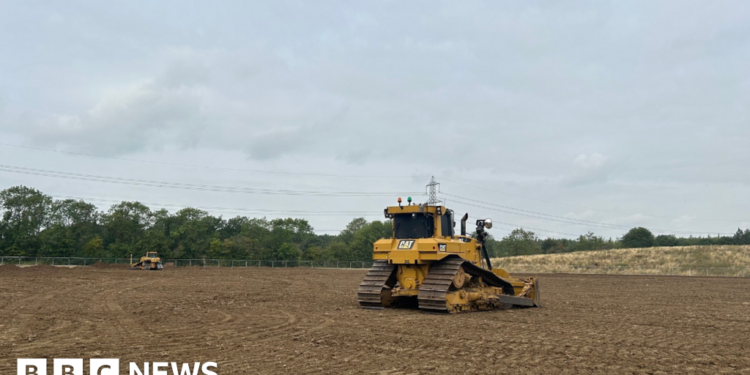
[562, 117]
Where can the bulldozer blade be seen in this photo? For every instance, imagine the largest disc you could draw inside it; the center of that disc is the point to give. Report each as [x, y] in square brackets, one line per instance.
[516, 301]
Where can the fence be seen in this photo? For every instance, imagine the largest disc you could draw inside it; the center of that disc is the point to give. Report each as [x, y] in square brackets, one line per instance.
[627, 270]
[75, 261]
[355, 264]
[269, 263]
[59, 261]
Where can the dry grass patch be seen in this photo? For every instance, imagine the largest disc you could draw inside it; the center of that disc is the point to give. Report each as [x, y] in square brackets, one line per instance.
[728, 260]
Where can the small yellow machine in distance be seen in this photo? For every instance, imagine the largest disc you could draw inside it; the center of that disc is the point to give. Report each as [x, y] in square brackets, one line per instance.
[426, 264]
[149, 262]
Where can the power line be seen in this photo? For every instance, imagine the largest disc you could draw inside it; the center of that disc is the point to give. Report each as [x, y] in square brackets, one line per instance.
[514, 226]
[543, 216]
[342, 176]
[256, 211]
[201, 166]
[657, 230]
[540, 215]
[582, 207]
[178, 185]
[211, 208]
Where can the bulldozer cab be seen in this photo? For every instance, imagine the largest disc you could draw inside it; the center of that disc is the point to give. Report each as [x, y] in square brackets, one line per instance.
[151, 255]
[429, 233]
[422, 225]
[414, 223]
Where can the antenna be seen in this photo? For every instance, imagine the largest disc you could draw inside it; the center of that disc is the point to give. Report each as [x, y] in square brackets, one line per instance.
[432, 189]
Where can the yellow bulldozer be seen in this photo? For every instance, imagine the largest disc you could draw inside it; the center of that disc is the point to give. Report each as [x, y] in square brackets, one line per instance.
[149, 262]
[425, 264]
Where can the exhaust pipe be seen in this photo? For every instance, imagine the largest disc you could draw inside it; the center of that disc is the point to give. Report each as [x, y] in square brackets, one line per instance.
[463, 223]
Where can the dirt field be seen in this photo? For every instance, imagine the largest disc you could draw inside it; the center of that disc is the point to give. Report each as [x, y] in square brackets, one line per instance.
[307, 321]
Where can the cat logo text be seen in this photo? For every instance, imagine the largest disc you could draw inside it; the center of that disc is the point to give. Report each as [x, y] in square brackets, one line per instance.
[405, 244]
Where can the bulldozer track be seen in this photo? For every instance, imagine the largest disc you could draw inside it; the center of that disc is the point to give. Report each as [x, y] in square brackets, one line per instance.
[380, 276]
[432, 293]
[438, 282]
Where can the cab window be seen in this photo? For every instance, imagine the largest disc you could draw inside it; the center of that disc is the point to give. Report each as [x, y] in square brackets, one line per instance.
[413, 226]
[446, 224]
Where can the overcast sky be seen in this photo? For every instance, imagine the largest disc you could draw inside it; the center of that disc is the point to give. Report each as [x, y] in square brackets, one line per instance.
[589, 116]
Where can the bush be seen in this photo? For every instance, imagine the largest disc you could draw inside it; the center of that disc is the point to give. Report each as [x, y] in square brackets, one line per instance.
[638, 237]
[666, 240]
[519, 242]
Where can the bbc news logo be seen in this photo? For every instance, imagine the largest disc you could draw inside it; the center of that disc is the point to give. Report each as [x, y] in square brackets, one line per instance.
[111, 366]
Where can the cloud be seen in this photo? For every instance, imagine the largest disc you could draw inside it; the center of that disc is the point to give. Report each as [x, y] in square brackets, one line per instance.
[586, 215]
[630, 107]
[632, 219]
[140, 116]
[588, 169]
[684, 219]
[276, 142]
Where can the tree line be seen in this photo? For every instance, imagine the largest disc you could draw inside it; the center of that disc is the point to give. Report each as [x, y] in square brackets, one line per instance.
[35, 224]
[523, 242]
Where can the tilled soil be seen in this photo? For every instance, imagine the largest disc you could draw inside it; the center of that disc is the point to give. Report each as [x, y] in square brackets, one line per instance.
[262, 320]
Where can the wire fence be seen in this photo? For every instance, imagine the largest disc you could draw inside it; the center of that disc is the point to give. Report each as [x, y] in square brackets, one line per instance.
[356, 264]
[627, 270]
[59, 261]
[269, 263]
[76, 261]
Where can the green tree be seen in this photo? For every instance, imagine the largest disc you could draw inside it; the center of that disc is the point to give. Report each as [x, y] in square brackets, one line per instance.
[233, 227]
[192, 232]
[25, 213]
[157, 237]
[56, 241]
[125, 224]
[219, 249]
[552, 246]
[338, 251]
[492, 245]
[259, 241]
[361, 245]
[347, 235]
[94, 248]
[666, 240]
[312, 253]
[241, 247]
[638, 237]
[519, 242]
[741, 237]
[590, 241]
[287, 251]
[80, 220]
[296, 231]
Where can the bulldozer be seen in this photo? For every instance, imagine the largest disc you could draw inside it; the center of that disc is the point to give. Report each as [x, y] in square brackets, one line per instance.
[150, 261]
[426, 265]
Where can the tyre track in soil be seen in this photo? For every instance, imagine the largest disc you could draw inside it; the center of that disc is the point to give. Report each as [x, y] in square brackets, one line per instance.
[299, 322]
[77, 327]
[289, 331]
[227, 328]
[40, 310]
[223, 329]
